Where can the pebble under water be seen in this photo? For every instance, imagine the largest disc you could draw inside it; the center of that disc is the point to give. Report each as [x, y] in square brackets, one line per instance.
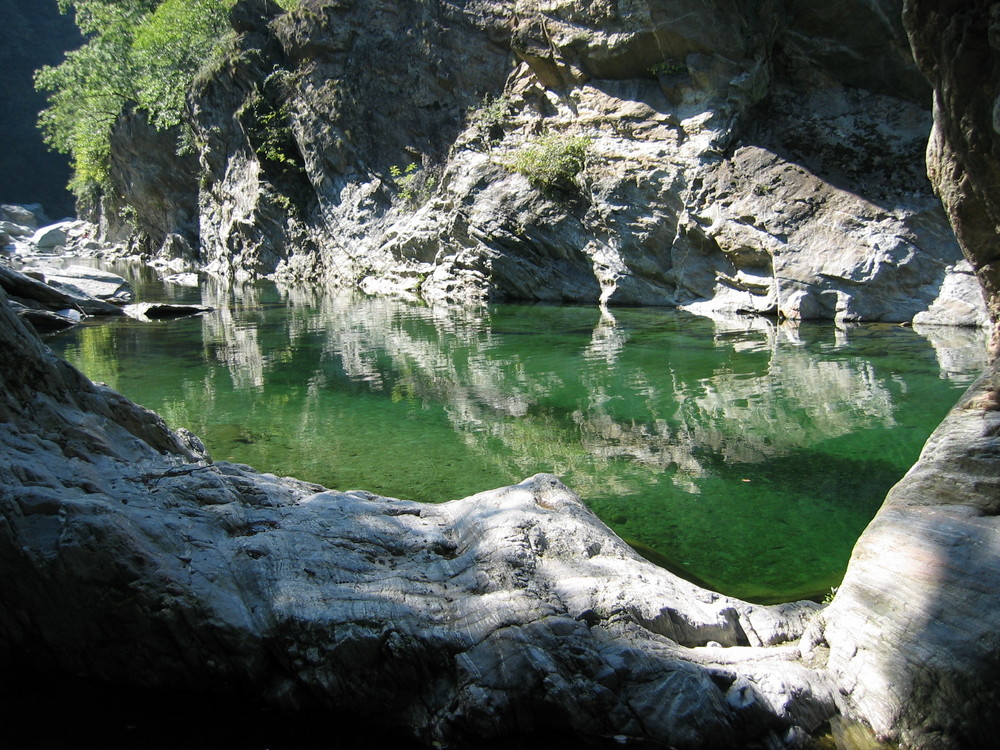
[743, 454]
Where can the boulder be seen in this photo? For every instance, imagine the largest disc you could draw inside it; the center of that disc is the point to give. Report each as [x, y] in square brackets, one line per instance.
[51, 236]
[16, 230]
[959, 301]
[37, 294]
[30, 216]
[85, 281]
[47, 321]
[911, 631]
[148, 311]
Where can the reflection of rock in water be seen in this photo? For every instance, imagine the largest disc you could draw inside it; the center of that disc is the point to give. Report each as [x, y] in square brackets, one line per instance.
[960, 351]
[601, 413]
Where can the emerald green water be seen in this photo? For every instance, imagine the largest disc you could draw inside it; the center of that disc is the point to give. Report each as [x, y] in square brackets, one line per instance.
[748, 455]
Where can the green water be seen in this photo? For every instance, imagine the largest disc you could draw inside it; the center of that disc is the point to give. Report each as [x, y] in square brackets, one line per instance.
[746, 454]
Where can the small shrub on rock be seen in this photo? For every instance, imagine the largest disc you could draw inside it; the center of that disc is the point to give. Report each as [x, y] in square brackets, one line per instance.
[415, 185]
[552, 161]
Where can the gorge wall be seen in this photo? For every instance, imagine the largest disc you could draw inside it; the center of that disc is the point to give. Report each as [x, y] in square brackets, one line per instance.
[515, 611]
[740, 157]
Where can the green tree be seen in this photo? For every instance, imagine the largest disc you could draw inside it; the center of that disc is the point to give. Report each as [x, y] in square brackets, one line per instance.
[552, 161]
[140, 52]
[169, 48]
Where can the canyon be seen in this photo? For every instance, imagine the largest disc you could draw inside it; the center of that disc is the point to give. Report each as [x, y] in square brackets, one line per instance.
[741, 158]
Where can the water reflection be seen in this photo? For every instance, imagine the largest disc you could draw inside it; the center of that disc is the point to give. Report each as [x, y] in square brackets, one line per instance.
[742, 449]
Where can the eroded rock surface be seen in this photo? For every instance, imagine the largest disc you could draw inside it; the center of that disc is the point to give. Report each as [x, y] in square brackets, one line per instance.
[516, 609]
[501, 614]
[741, 158]
[922, 578]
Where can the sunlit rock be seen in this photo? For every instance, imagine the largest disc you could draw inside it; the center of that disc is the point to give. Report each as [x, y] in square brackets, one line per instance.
[148, 311]
[85, 281]
[51, 236]
[747, 163]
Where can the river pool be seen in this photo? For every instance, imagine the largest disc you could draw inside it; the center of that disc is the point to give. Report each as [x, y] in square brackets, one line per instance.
[745, 454]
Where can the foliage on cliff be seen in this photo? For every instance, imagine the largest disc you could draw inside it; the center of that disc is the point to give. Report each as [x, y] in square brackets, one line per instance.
[140, 52]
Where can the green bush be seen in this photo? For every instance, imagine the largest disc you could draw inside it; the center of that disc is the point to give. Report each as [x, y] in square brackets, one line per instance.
[669, 68]
[268, 128]
[553, 160]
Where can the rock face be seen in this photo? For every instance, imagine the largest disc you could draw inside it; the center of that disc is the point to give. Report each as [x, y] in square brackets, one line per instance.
[922, 572]
[922, 577]
[160, 187]
[957, 45]
[739, 159]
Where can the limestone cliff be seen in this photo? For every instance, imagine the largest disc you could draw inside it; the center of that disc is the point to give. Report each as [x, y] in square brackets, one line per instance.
[762, 157]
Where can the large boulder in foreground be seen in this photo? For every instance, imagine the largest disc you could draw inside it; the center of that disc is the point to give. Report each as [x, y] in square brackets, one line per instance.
[912, 631]
[131, 557]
